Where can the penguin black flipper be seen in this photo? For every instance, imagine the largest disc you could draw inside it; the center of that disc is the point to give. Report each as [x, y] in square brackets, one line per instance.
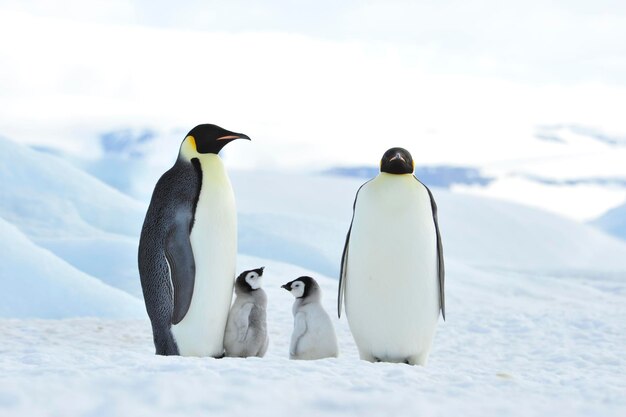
[168, 219]
[344, 258]
[440, 263]
[182, 267]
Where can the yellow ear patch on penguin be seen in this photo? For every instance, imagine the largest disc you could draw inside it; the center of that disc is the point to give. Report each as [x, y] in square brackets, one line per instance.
[192, 142]
[188, 147]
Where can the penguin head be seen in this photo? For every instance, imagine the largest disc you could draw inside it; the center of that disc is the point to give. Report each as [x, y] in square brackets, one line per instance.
[249, 281]
[302, 287]
[208, 139]
[397, 161]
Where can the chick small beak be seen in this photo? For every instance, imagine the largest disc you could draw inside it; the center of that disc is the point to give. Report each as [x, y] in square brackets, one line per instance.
[285, 287]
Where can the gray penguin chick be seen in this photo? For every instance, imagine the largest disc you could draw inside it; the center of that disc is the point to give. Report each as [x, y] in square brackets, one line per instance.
[313, 334]
[246, 328]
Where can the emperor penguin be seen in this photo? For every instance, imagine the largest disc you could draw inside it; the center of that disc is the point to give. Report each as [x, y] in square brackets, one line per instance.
[313, 334]
[246, 328]
[392, 269]
[188, 247]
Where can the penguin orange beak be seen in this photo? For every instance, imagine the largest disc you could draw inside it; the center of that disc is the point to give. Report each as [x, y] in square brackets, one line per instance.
[234, 136]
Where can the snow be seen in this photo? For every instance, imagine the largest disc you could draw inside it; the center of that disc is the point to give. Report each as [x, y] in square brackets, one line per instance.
[36, 283]
[303, 219]
[581, 201]
[72, 214]
[513, 345]
[535, 308]
[47, 197]
[613, 221]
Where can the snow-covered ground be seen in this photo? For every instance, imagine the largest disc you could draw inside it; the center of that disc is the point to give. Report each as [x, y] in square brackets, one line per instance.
[536, 308]
[613, 221]
[513, 344]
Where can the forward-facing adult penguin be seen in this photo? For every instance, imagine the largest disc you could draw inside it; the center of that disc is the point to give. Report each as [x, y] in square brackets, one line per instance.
[246, 328]
[392, 270]
[313, 335]
[188, 248]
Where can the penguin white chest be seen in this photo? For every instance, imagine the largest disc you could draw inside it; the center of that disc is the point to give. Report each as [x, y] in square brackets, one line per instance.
[391, 293]
[214, 244]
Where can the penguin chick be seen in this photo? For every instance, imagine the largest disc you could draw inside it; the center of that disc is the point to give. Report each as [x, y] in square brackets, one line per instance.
[246, 327]
[313, 334]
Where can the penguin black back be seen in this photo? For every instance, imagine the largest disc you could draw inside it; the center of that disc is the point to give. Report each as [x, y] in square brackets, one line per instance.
[174, 202]
[167, 267]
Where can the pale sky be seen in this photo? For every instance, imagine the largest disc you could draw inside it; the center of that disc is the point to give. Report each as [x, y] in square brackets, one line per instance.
[320, 83]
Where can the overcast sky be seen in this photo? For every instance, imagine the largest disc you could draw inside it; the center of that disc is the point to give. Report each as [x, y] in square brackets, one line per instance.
[316, 82]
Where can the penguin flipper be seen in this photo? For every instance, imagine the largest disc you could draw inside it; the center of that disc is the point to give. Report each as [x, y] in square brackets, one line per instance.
[299, 329]
[344, 258]
[242, 321]
[440, 263]
[182, 268]
[342, 281]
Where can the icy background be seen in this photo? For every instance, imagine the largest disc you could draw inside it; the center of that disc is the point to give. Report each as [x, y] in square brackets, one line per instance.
[535, 322]
[513, 112]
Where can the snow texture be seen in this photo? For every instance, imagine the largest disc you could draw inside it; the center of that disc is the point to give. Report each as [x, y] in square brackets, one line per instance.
[513, 345]
[90, 225]
[36, 283]
[303, 220]
[535, 308]
[46, 197]
[613, 221]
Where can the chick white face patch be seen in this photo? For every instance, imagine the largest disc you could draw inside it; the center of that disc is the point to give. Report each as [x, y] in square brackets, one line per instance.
[297, 289]
[254, 280]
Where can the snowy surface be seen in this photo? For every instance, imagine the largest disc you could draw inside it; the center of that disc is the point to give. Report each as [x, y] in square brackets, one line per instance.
[60, 208]
[36, 283]
[513, 345]
[614, 221]
[303, 220]
[536, 308]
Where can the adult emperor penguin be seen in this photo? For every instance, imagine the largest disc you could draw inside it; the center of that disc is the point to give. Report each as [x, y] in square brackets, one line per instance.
[392, 270]
[188, 247]
[246, 328]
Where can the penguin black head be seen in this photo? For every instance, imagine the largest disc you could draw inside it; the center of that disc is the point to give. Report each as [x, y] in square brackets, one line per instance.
[209, 138]
[302, 287]
[397, 161]
[249, 281]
